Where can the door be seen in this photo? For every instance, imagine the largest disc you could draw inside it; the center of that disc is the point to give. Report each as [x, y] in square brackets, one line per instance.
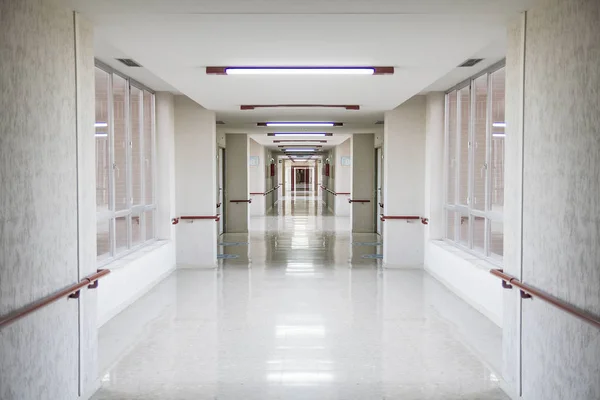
[379, 189]
[221, 190]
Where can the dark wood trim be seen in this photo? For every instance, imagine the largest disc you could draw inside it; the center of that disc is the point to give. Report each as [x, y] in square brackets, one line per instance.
[72, 291]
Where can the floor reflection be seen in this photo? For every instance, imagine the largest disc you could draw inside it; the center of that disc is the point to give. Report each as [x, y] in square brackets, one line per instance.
[303, 316]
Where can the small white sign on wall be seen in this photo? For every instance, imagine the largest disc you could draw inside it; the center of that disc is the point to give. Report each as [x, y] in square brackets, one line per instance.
[346, 161]
[254, 161]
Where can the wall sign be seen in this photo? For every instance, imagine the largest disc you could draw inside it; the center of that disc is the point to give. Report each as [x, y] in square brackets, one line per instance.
[346, 161]
[254, 161]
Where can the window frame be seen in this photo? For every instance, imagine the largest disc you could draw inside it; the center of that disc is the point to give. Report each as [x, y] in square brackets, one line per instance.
[130, 211]
[460, 210]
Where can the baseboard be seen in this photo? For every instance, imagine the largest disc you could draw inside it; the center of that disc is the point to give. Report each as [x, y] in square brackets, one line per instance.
[394, 266]
[193, 266]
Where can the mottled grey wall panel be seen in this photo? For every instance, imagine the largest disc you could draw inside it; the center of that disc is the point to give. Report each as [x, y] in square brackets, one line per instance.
[363, 183]
[513, 200]
[86, 143]
[38, 199]
[561, 218]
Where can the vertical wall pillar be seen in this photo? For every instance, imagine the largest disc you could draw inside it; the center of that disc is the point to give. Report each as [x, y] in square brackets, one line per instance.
[404, 183]
[165, 163]
[195, 170]
[237, 176]
[363, 183]
[257, 182]
[343, 181]
[434, 168]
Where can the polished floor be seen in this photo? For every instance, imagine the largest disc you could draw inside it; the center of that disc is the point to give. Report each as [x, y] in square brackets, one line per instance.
[300, 314]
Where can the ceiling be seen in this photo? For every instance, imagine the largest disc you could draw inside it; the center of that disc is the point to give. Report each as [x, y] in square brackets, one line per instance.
[175, 40]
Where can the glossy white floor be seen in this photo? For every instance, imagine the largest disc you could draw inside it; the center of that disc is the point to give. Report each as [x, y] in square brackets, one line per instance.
[307, 318]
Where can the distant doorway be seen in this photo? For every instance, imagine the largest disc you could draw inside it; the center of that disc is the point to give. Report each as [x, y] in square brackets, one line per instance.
[302, 178]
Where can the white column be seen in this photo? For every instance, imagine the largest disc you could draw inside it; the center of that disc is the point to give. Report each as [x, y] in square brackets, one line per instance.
[165, 165]
[404, 183]
[363, 183]
[343, 181]
[196, 172]
[257, 178]
[237, 186]
[434, 168]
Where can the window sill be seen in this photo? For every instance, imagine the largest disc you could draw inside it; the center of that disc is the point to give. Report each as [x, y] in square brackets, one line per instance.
[477, 260]
[122, 262]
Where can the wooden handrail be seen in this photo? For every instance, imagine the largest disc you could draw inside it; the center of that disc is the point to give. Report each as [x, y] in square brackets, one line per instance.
[358, 201]
[407, 218]
[71, 291]
[196, 217]
[334, 193]
[241, 201]
[527, 292]
[265, 193]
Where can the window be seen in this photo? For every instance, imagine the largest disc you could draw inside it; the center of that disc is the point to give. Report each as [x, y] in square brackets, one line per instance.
[125, 152]
[475, 133]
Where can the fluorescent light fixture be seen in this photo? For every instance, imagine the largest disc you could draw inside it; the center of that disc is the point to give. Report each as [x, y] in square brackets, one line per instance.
[300, 71]
[499, 135]
[499, 124]
[299, 150]
[300, 134]
[101, 124]
[301, 124]
[101, 134]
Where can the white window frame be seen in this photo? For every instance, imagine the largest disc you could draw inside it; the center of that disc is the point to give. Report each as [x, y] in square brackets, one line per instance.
[467, 210]
[131, 211]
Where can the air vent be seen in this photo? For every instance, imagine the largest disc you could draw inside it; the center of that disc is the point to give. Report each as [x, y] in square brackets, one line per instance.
[471, 62]
[220, 123]
[129, 62]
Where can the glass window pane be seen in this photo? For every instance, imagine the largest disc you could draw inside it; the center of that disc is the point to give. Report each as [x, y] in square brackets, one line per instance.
[136, 145]
[102, 142]
[103, 239]
[452, 120]
[464, 97]
[120, 89]
[148, 148]
[479, 234]
[463, 231]
[122, 234]
[498, 135]
[149, 219]
[136, 230]
[497, 240]
[480, 143]
[451, 221]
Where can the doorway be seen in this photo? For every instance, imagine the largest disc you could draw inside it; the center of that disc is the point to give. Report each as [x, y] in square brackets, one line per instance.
[221, 190]
[302, 178]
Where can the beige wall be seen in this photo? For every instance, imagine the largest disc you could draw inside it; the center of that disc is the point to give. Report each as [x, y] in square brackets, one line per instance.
[237, 177]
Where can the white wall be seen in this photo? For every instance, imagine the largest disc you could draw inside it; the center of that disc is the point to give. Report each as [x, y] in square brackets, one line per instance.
[196, 174]
[343, 181]
[47, 222]
[257, 179]
[404, 183]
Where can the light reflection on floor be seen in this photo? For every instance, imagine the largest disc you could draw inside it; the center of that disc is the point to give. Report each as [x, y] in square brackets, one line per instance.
[301, 315]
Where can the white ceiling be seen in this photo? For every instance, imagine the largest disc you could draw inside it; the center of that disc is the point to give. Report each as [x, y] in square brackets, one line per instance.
[176, 39]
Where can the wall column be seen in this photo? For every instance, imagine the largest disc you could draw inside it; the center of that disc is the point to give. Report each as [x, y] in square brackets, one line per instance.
[196, 174]
[363, 183]
[257, 183]
[404, 183]
[165, 162]
[237, 176]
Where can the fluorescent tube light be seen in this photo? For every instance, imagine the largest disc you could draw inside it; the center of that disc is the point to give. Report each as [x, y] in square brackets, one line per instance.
[300, 134]
[101, 134]
[300, 150]
[101, 124]
[305, 124]
[499, 124]
[299, 71]
[499, 135]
